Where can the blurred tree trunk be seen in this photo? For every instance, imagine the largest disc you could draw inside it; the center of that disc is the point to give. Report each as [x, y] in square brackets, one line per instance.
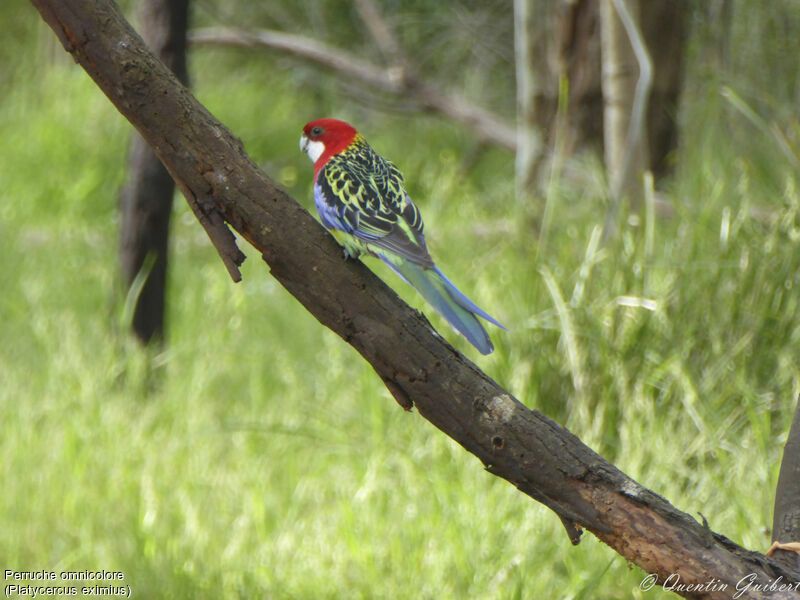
[573, 56]
[559, 98]
[146, 199]
[620, 74]
[572, 53]
[529, 140]
[720, 13]
[665, 27]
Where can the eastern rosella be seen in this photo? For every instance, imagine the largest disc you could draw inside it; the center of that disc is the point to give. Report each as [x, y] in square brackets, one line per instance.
[361, 200]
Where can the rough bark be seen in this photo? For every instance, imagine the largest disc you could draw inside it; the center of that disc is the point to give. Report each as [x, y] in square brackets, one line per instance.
[535, 454]
[786, 516]
[146, 198]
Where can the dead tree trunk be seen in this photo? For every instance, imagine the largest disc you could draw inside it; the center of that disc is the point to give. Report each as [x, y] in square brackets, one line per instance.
[146, 199]
[539, 457]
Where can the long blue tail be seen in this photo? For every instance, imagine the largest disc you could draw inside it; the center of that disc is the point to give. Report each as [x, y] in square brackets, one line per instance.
[448, 301]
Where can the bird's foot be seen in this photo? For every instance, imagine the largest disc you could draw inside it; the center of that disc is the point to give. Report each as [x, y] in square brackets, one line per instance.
[350, 253]
[791, 546]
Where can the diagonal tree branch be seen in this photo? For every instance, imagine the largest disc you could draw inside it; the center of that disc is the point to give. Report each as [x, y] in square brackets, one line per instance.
[394, 80]
[538, 456]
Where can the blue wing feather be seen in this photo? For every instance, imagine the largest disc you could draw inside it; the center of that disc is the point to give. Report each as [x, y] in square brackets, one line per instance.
[449, 302]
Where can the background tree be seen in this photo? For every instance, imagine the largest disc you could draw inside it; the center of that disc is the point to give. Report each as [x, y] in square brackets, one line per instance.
[627, 78]
[529, 137]
[665, 25]
[569, 47]
[146, 199]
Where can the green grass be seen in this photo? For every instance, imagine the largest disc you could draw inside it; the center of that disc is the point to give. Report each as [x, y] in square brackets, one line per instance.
[258, 456]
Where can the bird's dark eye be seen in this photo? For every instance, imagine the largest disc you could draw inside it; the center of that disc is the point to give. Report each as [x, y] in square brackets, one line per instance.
[316, 131]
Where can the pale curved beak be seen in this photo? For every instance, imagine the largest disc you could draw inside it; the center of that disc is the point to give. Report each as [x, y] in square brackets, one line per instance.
[303, 143]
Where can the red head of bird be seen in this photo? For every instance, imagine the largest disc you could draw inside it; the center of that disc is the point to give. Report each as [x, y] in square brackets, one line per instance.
[324, 138]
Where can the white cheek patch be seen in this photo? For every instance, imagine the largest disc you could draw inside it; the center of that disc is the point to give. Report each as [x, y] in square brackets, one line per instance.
[314, 150]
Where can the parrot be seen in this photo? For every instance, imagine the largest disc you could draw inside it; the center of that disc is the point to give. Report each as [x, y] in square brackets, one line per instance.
[361, 199]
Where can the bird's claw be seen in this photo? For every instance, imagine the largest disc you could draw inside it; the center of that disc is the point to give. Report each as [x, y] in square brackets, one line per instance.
[791, 546]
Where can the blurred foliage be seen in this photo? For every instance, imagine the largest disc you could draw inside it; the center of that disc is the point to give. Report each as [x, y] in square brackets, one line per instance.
[258, 456]
[467, 46]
